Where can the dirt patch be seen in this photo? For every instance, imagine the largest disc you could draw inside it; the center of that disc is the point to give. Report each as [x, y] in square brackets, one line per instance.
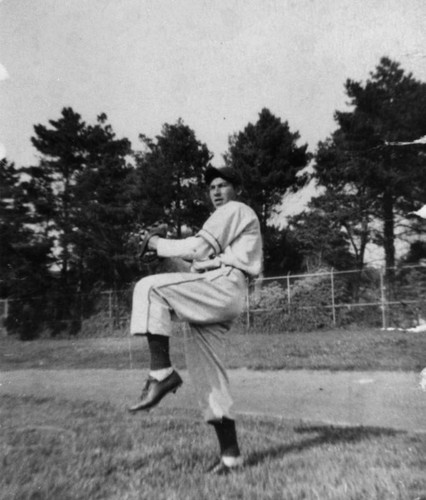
[380, 399]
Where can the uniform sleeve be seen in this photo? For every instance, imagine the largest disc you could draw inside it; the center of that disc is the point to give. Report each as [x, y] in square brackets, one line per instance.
[226, 224]
[189, 248]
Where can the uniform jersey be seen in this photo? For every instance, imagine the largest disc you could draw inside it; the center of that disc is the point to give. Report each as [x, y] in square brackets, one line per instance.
[233, 231]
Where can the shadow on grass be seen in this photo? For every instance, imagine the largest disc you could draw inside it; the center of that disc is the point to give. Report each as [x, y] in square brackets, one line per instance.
[324, 434]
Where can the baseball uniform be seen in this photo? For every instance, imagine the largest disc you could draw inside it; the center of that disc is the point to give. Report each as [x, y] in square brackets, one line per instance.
[225, 253]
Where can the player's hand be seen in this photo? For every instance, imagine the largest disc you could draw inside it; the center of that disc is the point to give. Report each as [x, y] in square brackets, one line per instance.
[152, 242]
[158, 231]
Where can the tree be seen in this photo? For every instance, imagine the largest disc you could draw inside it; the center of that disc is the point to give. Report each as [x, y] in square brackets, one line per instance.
[320, 240]
[169, 178]
[358, 160]
[11, 215]
[345, 203]
[282, 252]
[102, 216]
[268, 158]
[24, 257]
[77, 192]
[51, 185]
[416, 254]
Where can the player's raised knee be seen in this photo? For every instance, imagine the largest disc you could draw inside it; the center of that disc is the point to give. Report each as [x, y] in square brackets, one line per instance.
[144, 285]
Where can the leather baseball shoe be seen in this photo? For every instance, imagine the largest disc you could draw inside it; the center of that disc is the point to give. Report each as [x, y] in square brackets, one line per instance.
[154, 391]
[221, 469]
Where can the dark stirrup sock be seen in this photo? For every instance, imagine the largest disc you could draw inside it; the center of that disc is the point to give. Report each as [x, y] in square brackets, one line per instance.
[227, 436]
[159, 350]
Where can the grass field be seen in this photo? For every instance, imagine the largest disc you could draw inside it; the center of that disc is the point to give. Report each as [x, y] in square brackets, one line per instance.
[58, 450]
[54, 449]
[330, 349]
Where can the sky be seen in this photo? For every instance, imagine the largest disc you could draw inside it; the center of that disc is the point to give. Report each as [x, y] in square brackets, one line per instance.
[213, 63]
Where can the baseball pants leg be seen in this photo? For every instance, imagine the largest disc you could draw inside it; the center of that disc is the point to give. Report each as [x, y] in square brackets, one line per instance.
[206, 370]
[208, 303]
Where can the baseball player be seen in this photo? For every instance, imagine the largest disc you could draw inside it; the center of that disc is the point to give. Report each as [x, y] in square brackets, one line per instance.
[224, 254]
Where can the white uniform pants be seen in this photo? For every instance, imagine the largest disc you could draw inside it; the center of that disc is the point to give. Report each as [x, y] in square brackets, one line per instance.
[208, 302]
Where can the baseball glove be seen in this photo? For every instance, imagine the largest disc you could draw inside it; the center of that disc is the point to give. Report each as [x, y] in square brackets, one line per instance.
[139, 241]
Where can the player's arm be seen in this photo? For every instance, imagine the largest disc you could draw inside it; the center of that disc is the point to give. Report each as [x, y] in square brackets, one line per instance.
[192, 248]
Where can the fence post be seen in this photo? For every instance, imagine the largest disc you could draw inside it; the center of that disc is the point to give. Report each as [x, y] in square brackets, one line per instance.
[248, 309]
[383, 297]
[110, 317]
[333, 305]
[4, 315]
[288, 292]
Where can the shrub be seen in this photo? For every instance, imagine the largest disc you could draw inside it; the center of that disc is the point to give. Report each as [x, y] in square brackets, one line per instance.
[309, 307]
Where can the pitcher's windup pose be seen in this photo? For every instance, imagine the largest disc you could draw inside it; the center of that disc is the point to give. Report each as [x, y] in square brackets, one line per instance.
[224, 254]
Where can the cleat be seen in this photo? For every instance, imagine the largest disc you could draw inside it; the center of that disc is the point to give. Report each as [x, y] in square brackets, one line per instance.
[221, 469]
[154, 391]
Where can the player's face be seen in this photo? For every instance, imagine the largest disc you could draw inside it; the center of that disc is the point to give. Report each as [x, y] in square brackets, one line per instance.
[221, 191]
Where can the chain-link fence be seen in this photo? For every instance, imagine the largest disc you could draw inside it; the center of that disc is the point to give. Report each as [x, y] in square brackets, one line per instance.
[100, 313]
[381, 298]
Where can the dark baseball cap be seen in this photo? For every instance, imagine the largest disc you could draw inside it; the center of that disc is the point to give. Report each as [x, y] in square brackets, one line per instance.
[227, 173]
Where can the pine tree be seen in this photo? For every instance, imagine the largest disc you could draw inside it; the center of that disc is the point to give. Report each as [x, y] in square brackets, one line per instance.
[358, 160]
[24, 257]
[51, 186]
[102, 215]
[268, 158]
[169, 178]
[77, 194]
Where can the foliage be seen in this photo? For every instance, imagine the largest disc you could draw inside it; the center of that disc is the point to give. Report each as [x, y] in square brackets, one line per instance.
[372, 178]
[270, 162]
[21, 250]
[282, 253]
[311, 300]
[269, 296]
[321, 300]
[103, 216]
[74, 221]
[416, 253]
[65, 221]
[168, 181]
[78, 194]
[50, 187]
[72, 214]
[305, 308]
[268, 158]
[24, 256]
[320, 239]
[409, 308]
[333, 231]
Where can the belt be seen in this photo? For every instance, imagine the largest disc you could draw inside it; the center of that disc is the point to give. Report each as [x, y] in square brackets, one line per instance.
[246, 274]
[213, 264]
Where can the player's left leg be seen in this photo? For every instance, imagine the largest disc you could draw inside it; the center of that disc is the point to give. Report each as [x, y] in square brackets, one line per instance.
[211, 383]
[208, 298]
[198, 299]
[152, 317]
[162, 377]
